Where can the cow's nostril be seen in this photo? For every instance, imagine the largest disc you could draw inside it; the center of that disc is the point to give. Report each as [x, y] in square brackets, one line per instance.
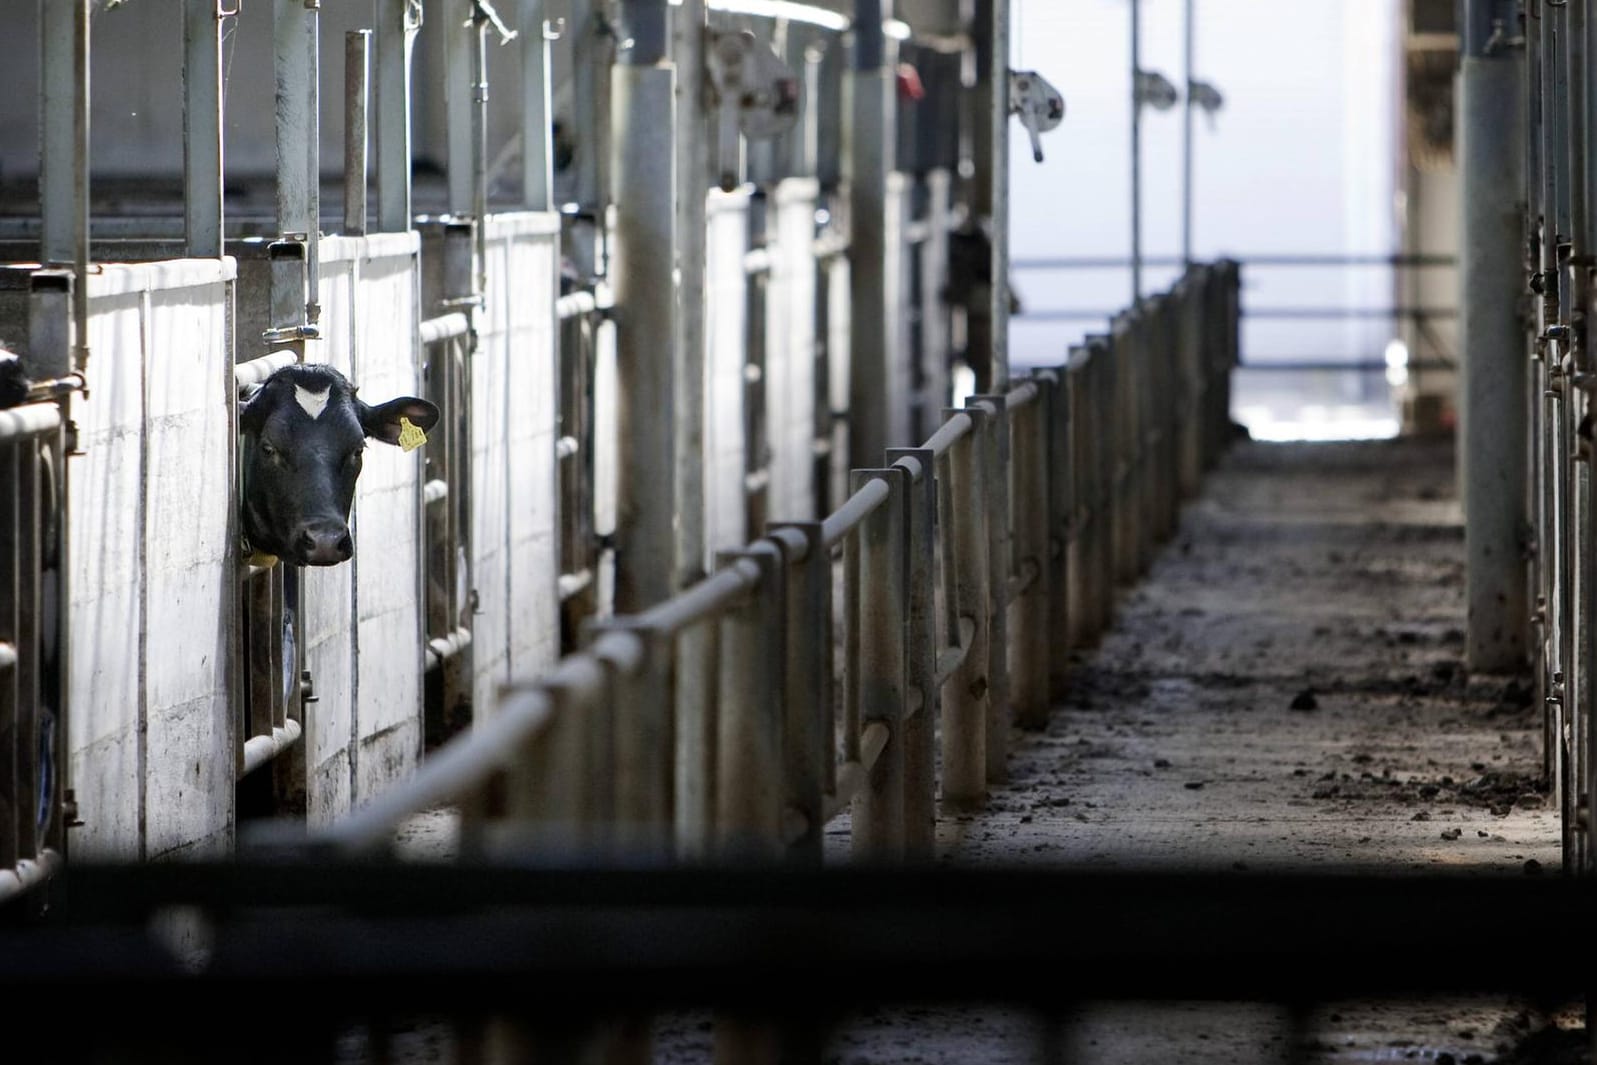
[345, 546]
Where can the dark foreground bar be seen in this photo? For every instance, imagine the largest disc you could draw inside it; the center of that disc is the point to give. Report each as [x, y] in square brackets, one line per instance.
[337, 939]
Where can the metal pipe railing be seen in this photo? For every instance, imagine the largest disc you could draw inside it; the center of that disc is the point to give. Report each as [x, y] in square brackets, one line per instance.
[705, 725]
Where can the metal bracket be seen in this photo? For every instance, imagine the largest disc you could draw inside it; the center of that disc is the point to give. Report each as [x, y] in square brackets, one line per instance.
[1039, 105]
[289, 333]
[1155, 90]
[756, 96]
[1204, 96]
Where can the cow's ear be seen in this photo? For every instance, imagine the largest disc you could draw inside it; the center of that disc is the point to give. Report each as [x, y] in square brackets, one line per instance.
[382, 422]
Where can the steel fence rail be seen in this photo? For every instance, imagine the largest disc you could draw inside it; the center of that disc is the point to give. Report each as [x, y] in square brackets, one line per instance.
[705, 725]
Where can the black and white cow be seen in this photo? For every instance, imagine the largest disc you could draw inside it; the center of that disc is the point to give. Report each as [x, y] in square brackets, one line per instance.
[303, 434]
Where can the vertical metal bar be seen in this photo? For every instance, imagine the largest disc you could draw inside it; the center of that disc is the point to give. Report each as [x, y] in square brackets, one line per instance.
[463, 35]
[357, 64]
[1491, 126]
[537, 180]
[1029, 653]
[989, 352]
[697, 727]
[806, 747]
[749, 744]
[967, 690]
[1136, 153]
[264, 653]
[920, 660]
[1061, 510]
[643, 730]
[1186, 139]
[398, 22]
[644, 124]
[297, 169]
[1000, 544]
[878, 418]
[592, 41]
[13, 799]
[878, 813]
[27, 558]
[58, 163]
[852, 590]
[202, 128]
[693, 183]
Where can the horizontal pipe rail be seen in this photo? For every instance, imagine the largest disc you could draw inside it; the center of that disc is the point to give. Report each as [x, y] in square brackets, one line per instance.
[444, 327]
[1072, 314]
[570, 584]
[434, 491]
[32, 420]
[442, 648]
[449, 774]
[8, 656]
[28, 874]
[855, 509]
[1099, 262]
[258, 750]
[256, 371]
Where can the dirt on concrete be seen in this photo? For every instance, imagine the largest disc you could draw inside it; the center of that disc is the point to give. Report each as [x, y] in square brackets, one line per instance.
[1285, 689]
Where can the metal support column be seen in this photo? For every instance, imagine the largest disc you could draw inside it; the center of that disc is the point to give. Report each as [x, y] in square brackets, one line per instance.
[202, 128]
[989, 326]
[643, 157]
[692, 185]
[1136, 152]
[537, 180]
[1493, 409]
[357, 67]
[398, 22]
[64, 151]
[878, 417]
[297, 48]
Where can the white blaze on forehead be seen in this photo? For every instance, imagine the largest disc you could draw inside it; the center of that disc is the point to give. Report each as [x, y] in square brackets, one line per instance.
[312, 402]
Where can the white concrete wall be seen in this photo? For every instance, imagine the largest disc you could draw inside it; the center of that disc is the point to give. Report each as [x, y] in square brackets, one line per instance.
[151, 734]
[726, 324]
[363, 619]
[790, 350]
[515, 562]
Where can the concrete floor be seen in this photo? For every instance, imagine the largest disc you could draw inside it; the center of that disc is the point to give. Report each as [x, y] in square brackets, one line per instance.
[1285, 689]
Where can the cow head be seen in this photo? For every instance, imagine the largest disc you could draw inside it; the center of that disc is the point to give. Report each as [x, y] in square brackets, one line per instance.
[303, 434]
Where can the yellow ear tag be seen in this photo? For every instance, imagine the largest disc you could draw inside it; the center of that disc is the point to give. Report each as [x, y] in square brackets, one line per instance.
[410, 436]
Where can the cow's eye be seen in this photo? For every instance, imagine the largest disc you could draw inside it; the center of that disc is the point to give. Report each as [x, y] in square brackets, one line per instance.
[353, 458]
[267, 449]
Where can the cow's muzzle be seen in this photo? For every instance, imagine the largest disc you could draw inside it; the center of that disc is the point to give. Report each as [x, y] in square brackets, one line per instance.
[323, 543]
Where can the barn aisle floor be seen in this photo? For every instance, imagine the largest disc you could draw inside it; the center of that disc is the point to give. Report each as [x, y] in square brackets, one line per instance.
[1285, 689]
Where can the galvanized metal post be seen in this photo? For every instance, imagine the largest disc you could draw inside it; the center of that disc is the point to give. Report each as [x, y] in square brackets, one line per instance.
[202, 128]
[1493, 429]
[537, 179]
[1058, 427]
[878, 814]
[592, 43]
[989, 338]
[692, 186]
[357, 63]
[641, 680]
[807, 748]
[398, 22]
[64, 152]
[297, 63]
[643, 157]
[967, 690]
[1186, 140]
[697, 729]
[1029, 652]
[1136, 153]
[1000, 544]
[878, 417]
[750, 726]
[920, 659]
[462, 38]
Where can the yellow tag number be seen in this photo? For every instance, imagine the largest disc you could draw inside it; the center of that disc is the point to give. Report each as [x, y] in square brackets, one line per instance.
[410, 436]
